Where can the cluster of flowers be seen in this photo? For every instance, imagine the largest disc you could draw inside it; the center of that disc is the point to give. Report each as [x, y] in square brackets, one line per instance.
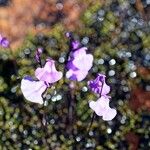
[4, 42]
[78, 65]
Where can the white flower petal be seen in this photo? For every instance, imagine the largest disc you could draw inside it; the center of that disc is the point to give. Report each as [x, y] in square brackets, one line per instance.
[33, 90]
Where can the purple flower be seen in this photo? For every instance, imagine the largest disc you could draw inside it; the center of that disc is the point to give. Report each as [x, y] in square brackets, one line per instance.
[33, 90]
[78, 75]
[4, 42]
[75, 45]
[48, 73]
[81, 60]
[101, 108]
[99, 86]
[68, 34]
[79, 64]
[39, 51]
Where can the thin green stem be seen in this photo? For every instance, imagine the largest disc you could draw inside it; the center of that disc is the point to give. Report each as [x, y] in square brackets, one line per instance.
[92, 119]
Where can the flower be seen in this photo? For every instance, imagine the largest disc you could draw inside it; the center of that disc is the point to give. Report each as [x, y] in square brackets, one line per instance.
[78, 75]
[101, 108]
[4, 42]
[48, 73]
[99, 86]
[79, 64]
[39, 51]
[33, 90]
[75, 45]
[81, 60]
[68, 34]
